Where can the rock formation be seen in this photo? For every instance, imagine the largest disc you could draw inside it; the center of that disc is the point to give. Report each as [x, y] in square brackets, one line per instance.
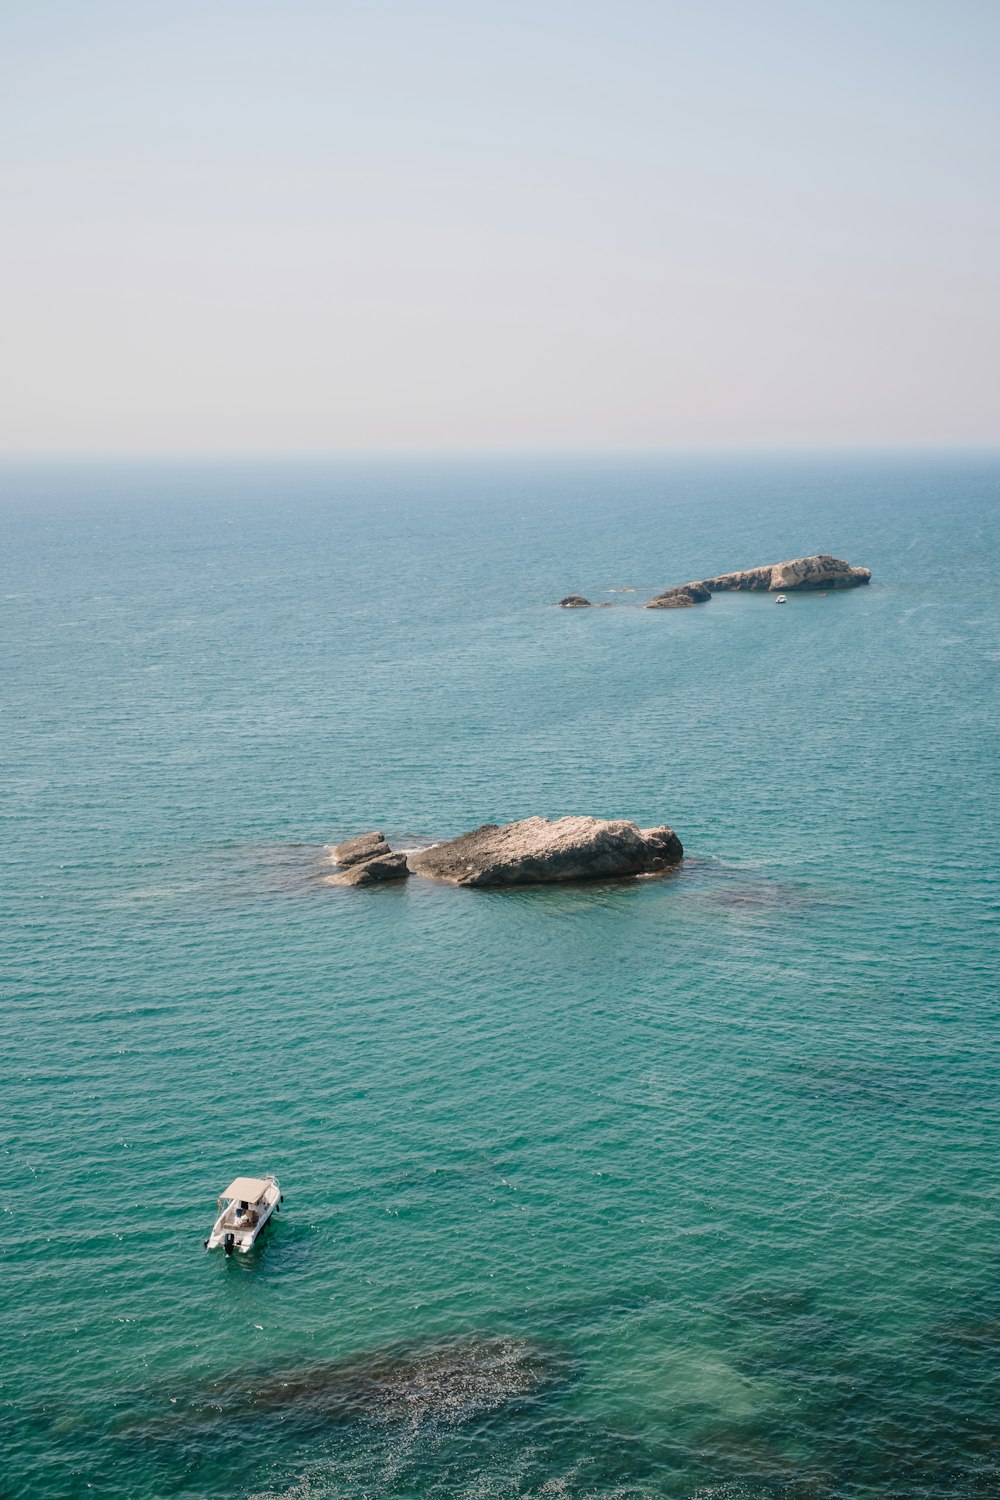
[383, 867]
[537, 850]
[682, 597]
[577, 601]
[366, 860]
[821, 571]
[365, 846]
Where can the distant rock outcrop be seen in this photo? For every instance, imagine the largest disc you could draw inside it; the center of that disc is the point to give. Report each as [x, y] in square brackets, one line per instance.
[577, 601]
[367, 860]
[821, 571]
[537, 850]
[683, 597]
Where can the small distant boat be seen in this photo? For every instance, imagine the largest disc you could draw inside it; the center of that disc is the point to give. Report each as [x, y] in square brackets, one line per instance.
[244, 1209]
[781, 599]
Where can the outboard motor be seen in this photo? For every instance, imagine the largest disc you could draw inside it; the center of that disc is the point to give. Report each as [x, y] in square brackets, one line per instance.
[228, 1243]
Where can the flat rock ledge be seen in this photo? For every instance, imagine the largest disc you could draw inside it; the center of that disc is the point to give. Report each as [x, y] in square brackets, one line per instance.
[820, 571]
[536, 851]
[367, 860]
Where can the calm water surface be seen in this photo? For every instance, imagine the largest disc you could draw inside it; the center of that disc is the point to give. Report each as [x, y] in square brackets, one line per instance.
[681, 1188]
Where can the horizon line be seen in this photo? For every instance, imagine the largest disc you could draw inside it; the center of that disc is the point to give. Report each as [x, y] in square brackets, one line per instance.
[717, 450]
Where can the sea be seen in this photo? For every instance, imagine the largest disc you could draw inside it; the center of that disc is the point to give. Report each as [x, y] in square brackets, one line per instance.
[683, 1187]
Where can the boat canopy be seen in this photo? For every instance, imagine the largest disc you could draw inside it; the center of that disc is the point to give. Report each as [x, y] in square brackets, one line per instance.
[246, 1189]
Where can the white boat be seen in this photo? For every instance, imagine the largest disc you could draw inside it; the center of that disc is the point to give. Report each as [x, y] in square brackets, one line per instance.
[781, 599]
[244, 1209]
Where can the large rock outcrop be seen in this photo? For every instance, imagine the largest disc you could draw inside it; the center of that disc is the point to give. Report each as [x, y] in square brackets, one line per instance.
[367, 860]
[821, 571]
[537, 850]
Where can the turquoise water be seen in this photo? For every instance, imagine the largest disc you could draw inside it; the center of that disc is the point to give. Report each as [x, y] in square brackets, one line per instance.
[684, 1187]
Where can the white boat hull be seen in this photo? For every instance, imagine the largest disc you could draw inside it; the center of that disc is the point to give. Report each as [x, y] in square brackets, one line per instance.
[243, 1234]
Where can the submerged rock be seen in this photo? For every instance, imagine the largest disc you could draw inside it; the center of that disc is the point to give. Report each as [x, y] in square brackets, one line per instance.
[820, 571]
[388, 866]
[365, 846]
[416, 1386]
[575, 601]
[538, 850]
[683, 597]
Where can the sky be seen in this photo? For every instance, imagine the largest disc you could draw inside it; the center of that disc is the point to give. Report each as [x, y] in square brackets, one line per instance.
[305, 226]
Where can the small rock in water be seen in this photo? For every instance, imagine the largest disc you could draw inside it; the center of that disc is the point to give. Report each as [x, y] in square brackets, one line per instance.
[575, 601]
[388, 866]
[367, 860]
[365, 846]
[683, 597]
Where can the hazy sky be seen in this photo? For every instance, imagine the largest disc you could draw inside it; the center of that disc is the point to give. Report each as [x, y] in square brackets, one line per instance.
[401, 224]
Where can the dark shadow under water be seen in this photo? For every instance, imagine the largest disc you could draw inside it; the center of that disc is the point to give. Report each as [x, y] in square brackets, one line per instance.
[419, 1387]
